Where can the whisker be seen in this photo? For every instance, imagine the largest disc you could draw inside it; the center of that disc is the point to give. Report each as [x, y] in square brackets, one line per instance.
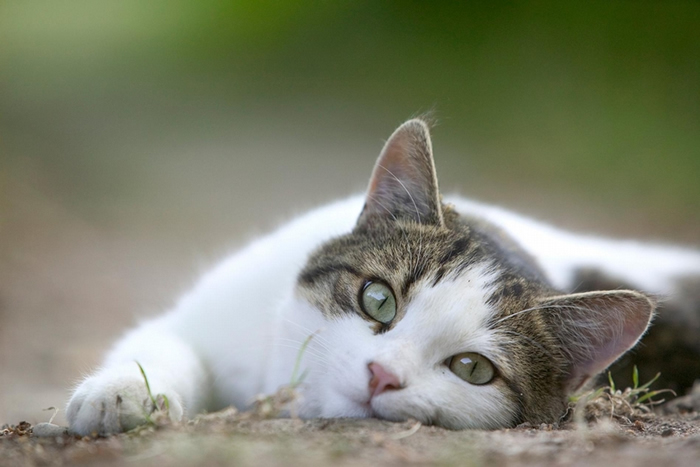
[499, 321]
[300, 343]
[289, 343]
[317, 336]
[297, 346]
[381, 205]
[530, 340]
[545, 307]
[415, 206]
[400, 227]
[312, 343]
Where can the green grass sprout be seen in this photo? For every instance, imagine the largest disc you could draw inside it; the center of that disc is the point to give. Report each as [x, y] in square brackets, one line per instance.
[272, 405]
[148, 386]
[294, 382]
[631, 403]
[159, 402]
[612, 383]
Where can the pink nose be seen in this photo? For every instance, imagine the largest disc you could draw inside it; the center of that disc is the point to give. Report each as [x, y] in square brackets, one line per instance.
[381, 380]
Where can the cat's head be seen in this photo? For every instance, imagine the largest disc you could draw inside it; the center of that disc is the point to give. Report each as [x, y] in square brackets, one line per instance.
[428, 315]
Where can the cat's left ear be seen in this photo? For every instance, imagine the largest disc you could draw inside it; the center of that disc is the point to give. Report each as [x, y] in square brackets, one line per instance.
[404, 183]
[596, 328]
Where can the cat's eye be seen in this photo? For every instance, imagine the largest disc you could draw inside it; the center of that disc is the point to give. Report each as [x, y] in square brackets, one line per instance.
[472, 367]
[378, 302]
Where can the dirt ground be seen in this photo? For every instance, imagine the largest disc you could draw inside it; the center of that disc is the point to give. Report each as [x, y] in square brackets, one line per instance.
[232, 438]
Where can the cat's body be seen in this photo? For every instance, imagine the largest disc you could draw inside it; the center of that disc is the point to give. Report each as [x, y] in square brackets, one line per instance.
[395, 289]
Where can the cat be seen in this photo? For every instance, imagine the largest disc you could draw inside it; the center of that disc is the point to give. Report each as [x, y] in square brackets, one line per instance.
[450, 312]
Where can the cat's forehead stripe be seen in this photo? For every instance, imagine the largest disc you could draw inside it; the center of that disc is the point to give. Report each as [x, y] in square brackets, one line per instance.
[311, 275]
[455, 250]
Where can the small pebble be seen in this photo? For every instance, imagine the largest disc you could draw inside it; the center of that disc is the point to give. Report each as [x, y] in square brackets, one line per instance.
[667, 433]
[48, 430]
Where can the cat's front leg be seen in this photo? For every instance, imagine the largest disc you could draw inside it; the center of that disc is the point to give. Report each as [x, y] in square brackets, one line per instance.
[116, 398]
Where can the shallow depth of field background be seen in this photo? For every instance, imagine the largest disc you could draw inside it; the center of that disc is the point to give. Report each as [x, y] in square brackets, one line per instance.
[140, 141]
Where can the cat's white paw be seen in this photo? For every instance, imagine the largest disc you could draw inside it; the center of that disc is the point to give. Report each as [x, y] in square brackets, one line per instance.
[116, 400]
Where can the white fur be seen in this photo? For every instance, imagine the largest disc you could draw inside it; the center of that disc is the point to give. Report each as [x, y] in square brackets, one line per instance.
[646, 266]
[237, 333]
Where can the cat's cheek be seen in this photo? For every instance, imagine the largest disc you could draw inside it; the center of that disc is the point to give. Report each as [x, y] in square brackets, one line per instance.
[343, 391]
[336, 382]
[317, 398]
[342, 386]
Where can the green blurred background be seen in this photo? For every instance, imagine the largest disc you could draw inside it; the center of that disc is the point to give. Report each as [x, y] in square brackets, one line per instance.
[141, 140]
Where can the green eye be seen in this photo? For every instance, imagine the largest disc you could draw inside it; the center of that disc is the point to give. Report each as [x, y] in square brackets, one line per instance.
[378, 301]
[472, 368]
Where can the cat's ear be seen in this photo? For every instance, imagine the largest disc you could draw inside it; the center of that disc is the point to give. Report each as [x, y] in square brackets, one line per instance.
[596, 328]
[404, 183]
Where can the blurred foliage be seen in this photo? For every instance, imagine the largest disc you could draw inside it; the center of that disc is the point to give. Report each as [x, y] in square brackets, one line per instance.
[595, 98]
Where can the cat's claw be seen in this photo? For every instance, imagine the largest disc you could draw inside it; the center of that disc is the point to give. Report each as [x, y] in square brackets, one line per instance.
[117, 400]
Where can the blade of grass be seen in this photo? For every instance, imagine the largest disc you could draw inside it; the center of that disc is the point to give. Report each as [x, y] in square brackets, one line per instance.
[649, 383]
[165, 401]
[612, 383]
[148, 386]
[294, 381]
[651, 394]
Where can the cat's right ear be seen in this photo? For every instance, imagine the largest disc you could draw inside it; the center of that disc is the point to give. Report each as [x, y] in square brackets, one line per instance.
[404, 184]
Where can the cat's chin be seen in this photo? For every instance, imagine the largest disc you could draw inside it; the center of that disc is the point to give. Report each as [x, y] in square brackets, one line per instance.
[383, 409]
[347, 409]
[336, 407]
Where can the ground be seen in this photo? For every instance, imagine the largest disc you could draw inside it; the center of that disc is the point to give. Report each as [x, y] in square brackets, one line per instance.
[610, 428]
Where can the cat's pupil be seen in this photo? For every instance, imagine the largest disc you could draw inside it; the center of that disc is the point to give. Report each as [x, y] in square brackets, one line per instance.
[379, 297]
[466, 360]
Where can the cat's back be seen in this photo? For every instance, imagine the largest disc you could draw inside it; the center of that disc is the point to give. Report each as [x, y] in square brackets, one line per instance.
[569, 257]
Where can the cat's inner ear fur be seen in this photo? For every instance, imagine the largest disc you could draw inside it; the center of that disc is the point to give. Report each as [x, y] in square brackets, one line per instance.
[404, 184]
[596, 328]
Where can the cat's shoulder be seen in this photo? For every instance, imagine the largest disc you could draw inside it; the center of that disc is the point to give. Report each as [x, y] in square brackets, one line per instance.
[649, 266]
